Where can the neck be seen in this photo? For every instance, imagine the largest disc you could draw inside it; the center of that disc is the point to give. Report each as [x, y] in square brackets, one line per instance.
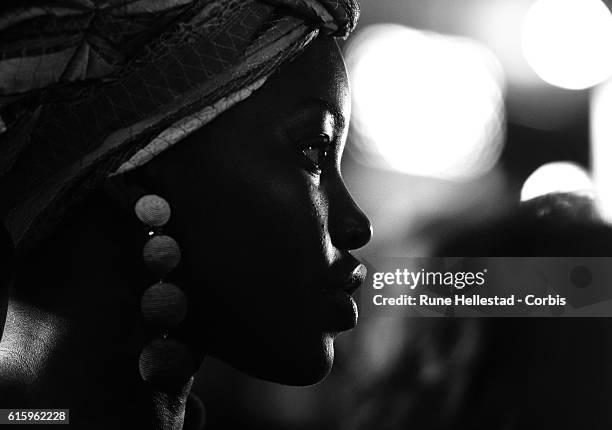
[73, 335]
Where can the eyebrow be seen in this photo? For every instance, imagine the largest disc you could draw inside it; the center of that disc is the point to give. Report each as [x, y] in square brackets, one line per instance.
[318, 103]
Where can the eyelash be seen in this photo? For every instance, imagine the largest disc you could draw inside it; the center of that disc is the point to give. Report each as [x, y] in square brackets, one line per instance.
[317, 146]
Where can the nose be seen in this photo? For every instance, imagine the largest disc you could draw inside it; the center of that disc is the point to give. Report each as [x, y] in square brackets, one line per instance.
[349, 227]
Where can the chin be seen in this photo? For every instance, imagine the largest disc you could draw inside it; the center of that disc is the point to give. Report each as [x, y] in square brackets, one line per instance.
[303, 365]
[310, 368]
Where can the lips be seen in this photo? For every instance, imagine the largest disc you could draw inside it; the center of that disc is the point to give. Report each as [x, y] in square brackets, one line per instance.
[355, 279]
[339, 310]
[347, 282]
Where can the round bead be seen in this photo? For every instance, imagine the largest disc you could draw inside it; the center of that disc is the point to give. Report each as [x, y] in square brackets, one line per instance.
[152, 210]
[166, 363]
[163, 305]
[161, 254]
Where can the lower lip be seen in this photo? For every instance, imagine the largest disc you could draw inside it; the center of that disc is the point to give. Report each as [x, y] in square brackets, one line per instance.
[339, 310]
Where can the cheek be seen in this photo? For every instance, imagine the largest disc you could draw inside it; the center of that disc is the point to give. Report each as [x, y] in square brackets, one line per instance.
[255, 274]
[254, 245]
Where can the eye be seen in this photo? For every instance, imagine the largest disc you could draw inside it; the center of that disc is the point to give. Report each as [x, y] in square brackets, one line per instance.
[316, 149]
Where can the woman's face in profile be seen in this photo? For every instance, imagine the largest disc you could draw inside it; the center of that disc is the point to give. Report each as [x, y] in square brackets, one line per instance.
[265, 223]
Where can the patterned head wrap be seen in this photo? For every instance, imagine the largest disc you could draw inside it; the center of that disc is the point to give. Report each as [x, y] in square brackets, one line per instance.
[91, 88]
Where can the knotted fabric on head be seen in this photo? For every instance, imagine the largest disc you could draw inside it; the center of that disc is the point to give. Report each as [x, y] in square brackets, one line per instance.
[92, 88]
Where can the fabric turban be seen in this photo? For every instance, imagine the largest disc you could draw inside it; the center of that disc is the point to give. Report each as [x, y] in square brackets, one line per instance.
[92, 88]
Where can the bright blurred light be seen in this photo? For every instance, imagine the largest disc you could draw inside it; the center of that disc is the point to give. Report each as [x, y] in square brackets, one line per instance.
[601, 147]
[567, 42]
[530, 101]
[498, 24]
[429, 105]
[555, 177]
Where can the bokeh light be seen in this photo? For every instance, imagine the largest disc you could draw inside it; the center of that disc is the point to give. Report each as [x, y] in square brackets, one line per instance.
[530, 101]
[427, 104]
[567, 42]
[560, 176]
[601, 147]
[498, 24]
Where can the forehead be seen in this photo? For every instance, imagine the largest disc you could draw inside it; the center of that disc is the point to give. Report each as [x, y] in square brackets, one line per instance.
[317, 76]
[317, 73]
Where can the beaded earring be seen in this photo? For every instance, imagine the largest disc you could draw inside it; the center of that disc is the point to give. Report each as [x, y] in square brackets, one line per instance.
[164, 362]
